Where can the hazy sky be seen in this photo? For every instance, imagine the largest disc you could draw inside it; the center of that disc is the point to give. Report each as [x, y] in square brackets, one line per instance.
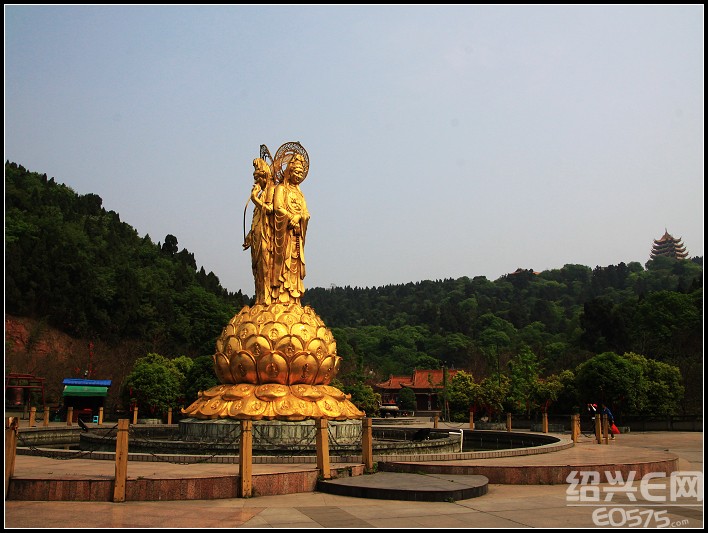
[444, 141]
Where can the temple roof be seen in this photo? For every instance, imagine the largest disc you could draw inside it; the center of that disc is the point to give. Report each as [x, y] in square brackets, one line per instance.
[396, 382]
[421, 379]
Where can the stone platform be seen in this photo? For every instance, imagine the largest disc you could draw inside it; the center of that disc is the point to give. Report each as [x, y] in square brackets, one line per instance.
[417, 487]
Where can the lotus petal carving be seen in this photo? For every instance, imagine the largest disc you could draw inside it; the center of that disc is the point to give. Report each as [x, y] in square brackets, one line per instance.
[275, 361]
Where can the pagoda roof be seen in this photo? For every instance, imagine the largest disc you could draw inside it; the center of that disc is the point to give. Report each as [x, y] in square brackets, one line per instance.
[668, 246]
[667, 238]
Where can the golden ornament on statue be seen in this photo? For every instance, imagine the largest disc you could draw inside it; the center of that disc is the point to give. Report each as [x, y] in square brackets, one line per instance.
[276, 360]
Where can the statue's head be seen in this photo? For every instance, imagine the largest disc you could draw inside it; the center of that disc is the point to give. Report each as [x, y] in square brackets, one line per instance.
[295, 170]
[261, 172]
[291, 164]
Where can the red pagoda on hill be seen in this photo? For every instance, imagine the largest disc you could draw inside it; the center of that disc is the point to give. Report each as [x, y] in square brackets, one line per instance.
[668, 246]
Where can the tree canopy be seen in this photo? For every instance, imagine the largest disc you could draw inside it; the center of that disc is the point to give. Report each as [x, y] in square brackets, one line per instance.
[155, 384]
[72, 262]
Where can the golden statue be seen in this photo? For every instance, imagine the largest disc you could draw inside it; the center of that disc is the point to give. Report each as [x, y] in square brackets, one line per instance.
[291, 217]
[275, 360]
[261, 235]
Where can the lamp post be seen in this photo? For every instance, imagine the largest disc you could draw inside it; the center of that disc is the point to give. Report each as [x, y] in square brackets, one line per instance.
[89, 371]
[444, 405]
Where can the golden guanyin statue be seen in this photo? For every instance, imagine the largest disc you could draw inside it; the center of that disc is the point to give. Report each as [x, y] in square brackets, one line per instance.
[276, 360]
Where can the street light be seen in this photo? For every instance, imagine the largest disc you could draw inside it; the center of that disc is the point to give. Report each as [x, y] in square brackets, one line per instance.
[444, 405]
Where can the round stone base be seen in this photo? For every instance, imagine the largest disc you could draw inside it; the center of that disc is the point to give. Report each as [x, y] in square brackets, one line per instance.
[270, 432]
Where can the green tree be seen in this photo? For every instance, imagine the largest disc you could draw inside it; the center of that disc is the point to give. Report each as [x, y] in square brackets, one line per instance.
[493, 393]
[364, 397]
[494, 337]
[567, 401]
[170, 245]
[523, 371]
[154, 384]
[461, 394]
[183, 364]
[200, 377]
[616, 381]
[662, 390]
[548, 390]
[425, 362]
[406, 399]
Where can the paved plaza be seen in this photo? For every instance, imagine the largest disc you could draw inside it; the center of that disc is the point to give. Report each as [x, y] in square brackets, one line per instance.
[504, 506]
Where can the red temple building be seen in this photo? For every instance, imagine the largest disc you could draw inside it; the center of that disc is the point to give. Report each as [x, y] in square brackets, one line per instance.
[426, 384]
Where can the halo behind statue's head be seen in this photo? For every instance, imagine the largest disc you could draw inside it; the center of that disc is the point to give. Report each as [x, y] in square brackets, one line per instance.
[284, 155]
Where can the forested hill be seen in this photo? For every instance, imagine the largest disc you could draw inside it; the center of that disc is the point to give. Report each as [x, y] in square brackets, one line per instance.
[565, 316]
[76, 266]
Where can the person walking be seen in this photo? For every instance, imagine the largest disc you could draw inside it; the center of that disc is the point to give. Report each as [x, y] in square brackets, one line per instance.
[604, 410]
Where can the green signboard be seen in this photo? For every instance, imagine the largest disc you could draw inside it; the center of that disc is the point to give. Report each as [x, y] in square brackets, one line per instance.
[85, 390]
